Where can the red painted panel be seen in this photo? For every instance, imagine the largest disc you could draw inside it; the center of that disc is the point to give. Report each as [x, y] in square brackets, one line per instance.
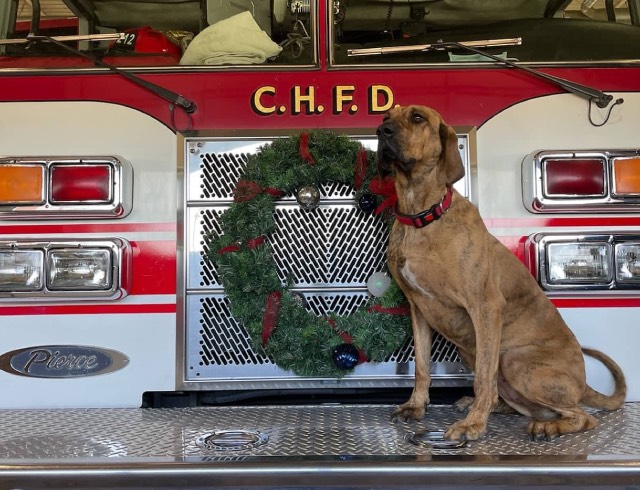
[154, 268]
[225, 98]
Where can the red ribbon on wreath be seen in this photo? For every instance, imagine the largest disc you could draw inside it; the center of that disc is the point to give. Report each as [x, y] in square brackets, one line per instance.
[303, 149]
[361, 168]
[245, 190]
[270, 317]
[397, 310]
[251, 244]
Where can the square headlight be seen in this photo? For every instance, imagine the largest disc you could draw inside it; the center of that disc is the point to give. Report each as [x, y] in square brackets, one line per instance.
[79, 269]
[21, 270]
[579, 263]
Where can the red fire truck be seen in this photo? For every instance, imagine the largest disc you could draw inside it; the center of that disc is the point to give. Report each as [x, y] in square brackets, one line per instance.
[125, 128]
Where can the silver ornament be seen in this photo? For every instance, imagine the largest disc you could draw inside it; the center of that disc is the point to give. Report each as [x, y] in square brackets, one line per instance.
[308, 197]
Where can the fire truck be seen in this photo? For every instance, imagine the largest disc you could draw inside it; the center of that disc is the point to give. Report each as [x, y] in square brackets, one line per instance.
[125, 129]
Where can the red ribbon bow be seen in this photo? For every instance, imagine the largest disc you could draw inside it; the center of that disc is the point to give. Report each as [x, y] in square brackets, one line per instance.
[387, 189]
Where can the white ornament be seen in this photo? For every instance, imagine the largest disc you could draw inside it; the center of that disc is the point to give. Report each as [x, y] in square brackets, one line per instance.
[378, 283]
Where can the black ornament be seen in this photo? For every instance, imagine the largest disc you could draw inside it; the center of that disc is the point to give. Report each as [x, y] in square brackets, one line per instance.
[345, 356]
[367, 203]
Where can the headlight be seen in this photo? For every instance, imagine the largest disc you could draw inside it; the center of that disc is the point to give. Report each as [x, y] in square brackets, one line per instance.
[587, 261]
[71, 269]
[21, 270]
[79, 269]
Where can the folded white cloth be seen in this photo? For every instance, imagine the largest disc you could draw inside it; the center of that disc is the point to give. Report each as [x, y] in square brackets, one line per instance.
[236, 40]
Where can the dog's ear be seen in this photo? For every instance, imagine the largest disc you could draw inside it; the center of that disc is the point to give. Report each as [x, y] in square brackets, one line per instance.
[451, 160]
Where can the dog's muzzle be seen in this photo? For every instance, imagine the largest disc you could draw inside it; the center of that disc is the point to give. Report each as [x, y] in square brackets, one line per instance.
[389, 151]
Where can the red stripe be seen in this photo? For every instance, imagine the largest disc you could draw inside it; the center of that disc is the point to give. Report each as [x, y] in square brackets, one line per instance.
[596, 302]
[86, 309]
[85, 228]
[171, 308]
[568, 222]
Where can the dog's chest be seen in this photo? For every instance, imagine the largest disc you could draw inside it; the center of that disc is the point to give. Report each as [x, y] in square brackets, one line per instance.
[412, 280]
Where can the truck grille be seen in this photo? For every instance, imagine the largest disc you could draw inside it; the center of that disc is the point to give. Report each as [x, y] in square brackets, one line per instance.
[327, 255]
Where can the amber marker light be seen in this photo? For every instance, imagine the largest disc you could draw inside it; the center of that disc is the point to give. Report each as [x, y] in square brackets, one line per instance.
[626, 176]
[21, 184]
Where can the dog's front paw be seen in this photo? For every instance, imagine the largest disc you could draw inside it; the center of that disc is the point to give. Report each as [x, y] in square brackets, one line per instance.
[408, 411]
[465, 431]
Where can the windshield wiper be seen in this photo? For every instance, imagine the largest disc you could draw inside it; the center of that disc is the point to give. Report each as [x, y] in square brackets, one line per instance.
[601, 99]
[174, 98]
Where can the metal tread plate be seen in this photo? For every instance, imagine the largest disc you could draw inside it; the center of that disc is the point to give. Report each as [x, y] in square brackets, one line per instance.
[63, 445]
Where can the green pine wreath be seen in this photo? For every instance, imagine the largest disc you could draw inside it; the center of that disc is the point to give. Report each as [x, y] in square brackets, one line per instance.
[279, 325]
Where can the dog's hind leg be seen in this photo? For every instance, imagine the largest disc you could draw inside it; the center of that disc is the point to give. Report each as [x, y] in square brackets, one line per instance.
[571, 420]
[415, 407]
[546, 390]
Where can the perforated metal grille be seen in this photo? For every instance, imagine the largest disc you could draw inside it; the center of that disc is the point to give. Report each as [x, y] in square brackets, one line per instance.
[334, 245]
[326, 254]
[220, 172]
[229, 343]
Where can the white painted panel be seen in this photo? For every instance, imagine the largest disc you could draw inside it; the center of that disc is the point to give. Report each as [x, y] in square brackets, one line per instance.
[148, 340]
[614, 331]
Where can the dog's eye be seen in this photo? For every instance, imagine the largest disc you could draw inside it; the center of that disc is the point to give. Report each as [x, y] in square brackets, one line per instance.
[417, 118]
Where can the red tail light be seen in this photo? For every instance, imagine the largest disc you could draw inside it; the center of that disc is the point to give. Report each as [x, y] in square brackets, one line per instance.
[81, 184]
[580, 177]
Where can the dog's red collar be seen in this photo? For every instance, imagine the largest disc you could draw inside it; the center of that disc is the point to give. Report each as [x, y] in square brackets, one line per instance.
[429, 216]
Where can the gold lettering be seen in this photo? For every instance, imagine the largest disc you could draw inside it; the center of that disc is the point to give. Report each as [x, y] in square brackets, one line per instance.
[342, 94]
[257, 104]
[375, 93]
[298, 100]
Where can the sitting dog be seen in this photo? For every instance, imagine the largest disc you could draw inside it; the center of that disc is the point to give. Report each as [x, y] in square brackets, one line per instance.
[462, 282]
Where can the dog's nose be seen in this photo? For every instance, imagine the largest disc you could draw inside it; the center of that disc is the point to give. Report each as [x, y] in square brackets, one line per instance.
[385, 130]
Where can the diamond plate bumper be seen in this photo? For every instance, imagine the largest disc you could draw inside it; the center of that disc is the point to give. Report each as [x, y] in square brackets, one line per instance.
[341, 446]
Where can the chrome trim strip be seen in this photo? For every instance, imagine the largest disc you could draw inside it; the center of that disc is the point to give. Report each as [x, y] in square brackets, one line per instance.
[119, 248]
[121, 193]
[329, 471]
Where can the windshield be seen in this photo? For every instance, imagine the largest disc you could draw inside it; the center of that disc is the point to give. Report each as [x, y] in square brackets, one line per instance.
[539, 30]
[264, 33]
[156, 33]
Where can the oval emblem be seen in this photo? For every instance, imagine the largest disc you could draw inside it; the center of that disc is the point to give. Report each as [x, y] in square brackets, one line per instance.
[62, 361]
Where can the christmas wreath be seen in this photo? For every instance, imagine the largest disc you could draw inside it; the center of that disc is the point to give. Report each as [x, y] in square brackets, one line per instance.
[275, 317]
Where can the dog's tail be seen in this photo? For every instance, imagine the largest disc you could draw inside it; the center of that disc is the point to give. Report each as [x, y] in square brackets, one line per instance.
[594, 399]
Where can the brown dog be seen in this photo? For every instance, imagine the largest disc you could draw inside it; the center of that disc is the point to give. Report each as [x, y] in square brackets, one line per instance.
[462, 282]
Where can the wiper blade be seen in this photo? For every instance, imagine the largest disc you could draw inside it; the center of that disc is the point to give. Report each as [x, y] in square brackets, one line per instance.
[175, 98]
[601, 99]
[64, 39]
[488, 43]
